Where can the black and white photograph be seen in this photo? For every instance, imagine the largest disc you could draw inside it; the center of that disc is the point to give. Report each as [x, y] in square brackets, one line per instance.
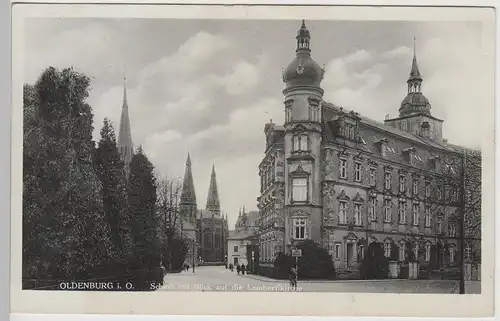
[298, 154]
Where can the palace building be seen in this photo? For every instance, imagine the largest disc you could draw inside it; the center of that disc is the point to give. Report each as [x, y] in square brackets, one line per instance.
[345, 181]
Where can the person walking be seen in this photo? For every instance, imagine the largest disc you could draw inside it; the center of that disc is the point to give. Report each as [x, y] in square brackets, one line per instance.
[243, 269]
[238, 269]
[293, 277]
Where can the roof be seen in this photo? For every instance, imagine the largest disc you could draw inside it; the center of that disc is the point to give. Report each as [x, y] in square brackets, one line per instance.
[241, 235]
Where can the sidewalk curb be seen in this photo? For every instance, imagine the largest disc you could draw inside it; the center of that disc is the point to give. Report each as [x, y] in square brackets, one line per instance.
[263, 279]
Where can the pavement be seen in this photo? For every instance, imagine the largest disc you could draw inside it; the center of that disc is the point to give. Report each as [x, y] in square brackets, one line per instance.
[217, 278]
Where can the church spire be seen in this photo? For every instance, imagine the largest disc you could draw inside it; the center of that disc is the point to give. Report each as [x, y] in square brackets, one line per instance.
[415, 79]
[213, 203]
[187, 204]
[125, 145]
[188, 195]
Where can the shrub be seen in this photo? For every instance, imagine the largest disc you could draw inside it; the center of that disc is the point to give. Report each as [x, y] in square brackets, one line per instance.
[375, 265]
[315, 261]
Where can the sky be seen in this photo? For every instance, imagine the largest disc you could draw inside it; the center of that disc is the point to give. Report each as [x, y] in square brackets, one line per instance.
[208, 87]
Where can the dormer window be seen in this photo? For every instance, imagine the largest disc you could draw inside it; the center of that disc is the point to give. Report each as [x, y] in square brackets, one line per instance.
[404, 125]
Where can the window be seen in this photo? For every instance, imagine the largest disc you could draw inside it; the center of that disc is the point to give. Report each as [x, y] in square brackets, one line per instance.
[357, 214]
[387, 210]
[236, 248]
[343, 212]
[296, 143]
[372, 176]
[427, 189]
[438, 193]
[361, 252]
[337, 251]
[303, 143]
[415, 251]
[404, 125]
[371, 209]
[452, 254]
[299, 189]
[439, 228]
[427, 216]
[299, 228]
[452, 229]
[300, 143]
[415, 187]
[402, 252]
[357, 172]
[387, 249]
[388, 178]
[343, 168]
[402, 183]
[468, 251]
[402, 212]
[415, 214]
[288, 114]
[427, 252]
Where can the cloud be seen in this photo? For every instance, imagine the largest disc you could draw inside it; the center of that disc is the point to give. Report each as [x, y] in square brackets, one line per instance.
[399, 52]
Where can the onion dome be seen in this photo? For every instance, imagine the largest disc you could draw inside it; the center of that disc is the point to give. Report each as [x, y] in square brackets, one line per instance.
[303, 70]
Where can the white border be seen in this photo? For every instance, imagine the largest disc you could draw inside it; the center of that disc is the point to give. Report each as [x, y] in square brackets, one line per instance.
[252, 303]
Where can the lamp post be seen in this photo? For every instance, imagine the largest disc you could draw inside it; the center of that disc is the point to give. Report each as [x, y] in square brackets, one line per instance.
[194, 254]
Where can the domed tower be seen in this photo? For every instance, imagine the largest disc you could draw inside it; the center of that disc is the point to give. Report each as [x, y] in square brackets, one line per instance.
[415, 110]
[303, 96]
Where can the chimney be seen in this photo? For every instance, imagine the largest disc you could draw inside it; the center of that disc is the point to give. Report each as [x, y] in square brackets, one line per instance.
[425, 129]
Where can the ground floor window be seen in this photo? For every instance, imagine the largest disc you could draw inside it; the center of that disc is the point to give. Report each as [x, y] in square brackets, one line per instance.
[452, 254]
[299, 228]
[387, 249]
[337, 251]
[402, 252]
[427, 252]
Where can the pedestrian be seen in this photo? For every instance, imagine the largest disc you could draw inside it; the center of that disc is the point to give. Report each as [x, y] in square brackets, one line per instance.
[225, 265]
[238, 269]
[243, 269]
[293, 278]
[187, 268]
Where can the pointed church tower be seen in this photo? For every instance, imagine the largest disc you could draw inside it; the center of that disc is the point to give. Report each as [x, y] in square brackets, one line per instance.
[415, 111]
[213, 203]
[125, 145]
[187, 206]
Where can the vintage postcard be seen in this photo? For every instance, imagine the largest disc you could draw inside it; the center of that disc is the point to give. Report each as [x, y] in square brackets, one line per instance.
[254, 160]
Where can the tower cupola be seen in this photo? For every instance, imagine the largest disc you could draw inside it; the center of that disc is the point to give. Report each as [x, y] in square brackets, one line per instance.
[415, 102]
[303, 70]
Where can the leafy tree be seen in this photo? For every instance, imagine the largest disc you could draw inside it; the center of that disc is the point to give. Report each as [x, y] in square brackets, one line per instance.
[110, 170]
[176, 252]
[170, 222]
[65, 234]
[142, 200]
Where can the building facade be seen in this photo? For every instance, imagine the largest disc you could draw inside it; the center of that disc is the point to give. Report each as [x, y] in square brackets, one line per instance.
[245, 235]
[346, 181]
[210, 225]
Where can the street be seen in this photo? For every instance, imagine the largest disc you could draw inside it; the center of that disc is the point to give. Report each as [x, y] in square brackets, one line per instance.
[217, 278]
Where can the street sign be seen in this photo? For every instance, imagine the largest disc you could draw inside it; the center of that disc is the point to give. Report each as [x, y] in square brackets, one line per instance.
[296, 252]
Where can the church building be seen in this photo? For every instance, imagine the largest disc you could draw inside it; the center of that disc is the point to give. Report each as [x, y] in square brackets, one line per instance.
[211, 224]
[345, 181]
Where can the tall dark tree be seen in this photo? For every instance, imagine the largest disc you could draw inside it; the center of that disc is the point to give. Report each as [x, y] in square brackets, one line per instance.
[111, 172]
[65, 233]
[142, 200]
